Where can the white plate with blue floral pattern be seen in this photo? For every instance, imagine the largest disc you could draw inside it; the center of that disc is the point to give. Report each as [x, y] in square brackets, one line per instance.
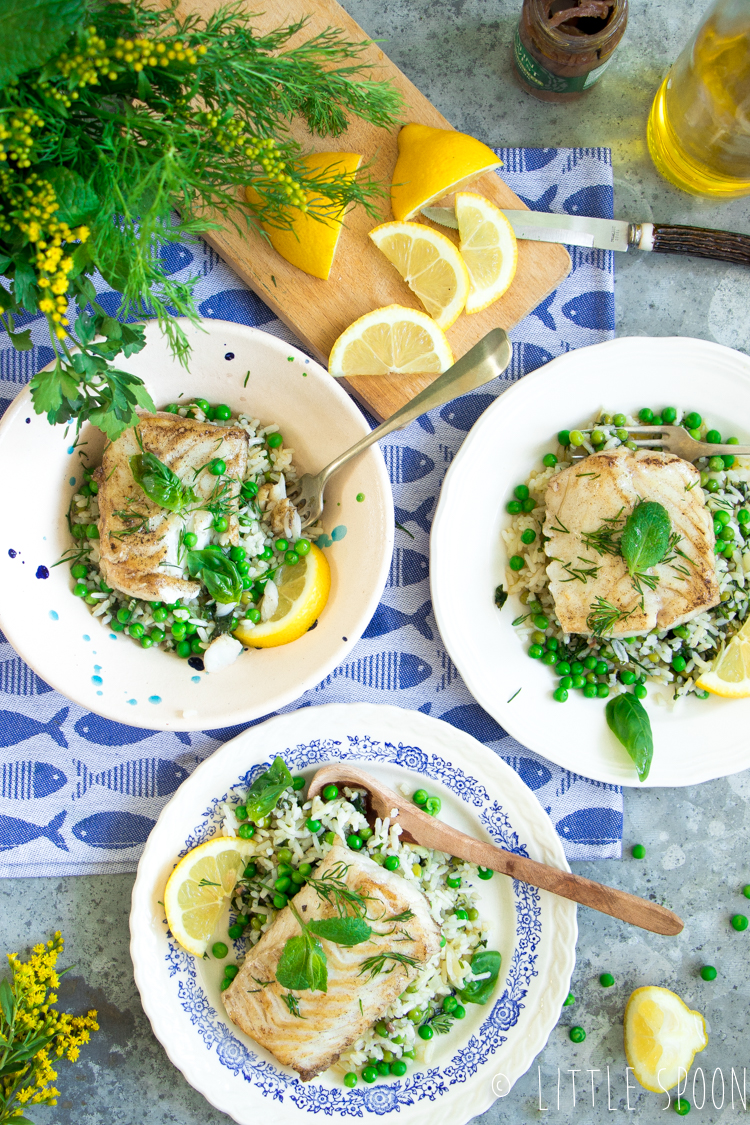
[534, 931]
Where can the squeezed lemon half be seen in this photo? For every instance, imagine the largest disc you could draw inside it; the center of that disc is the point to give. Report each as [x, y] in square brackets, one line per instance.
[303, 593]
[662, 1036]
[199, 886]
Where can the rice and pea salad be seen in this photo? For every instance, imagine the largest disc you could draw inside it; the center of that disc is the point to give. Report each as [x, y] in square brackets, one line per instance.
[253, 568]
[671, 660]
[286, 846]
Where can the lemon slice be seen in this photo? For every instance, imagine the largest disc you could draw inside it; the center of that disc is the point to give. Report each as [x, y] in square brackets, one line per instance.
[303, 593]
[489, 248]
[430, 265]
[662, 1036]
[311, 243]
[198, 887]
[391, 340]
[730, 674]
[432, 163]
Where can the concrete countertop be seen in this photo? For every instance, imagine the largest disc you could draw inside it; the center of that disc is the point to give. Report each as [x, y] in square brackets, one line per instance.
[458, 53]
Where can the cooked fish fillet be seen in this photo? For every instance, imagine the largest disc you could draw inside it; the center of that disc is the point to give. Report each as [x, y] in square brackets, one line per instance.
[608, 486]
[142, 562]
[335, 1019]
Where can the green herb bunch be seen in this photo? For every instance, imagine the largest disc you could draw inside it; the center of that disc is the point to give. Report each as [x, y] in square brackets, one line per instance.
[112, 115]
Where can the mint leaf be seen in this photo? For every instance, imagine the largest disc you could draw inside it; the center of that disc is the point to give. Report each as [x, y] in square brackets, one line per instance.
[302, 964]
[479, 991]
[265, 791]
[342, 931]
[32, 30]
[645, 536]
[628, 720]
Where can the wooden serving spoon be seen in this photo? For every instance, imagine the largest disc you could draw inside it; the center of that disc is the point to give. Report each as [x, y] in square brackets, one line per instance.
[421, 828]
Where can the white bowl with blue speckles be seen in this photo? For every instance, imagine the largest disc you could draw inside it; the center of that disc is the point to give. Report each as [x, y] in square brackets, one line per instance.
[55, 633]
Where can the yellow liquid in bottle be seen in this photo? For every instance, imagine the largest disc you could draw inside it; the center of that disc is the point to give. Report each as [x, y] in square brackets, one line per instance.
[699, 125]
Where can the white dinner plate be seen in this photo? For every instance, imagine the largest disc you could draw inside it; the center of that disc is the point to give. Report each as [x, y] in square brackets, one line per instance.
[694, 741]
[534, 931]
[110, 673]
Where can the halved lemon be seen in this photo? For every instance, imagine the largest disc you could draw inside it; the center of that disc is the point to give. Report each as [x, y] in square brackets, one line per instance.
[392, 340]
[432, 163]
[488, 247]
[311, 243]
[198, 887]
[730, 674]
[662, 1036]
[303, 593]
[430, 265]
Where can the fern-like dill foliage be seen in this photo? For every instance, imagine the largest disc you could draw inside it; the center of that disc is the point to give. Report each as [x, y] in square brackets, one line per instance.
[113, 115]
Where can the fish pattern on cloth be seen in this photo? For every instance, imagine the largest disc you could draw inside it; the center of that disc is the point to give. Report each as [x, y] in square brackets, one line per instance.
[79, 794]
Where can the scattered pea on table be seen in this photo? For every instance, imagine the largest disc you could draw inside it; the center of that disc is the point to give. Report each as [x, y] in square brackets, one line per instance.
[577, 1034]
[708, 972]
[569, 999]
[682, 1106]
[606, 980]
[639, 852]
[739, 922]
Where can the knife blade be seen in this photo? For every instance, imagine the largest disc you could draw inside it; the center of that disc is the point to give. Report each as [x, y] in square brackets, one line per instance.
[616, 234]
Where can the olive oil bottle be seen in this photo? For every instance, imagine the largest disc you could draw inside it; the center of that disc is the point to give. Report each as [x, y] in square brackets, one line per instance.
[699, 125]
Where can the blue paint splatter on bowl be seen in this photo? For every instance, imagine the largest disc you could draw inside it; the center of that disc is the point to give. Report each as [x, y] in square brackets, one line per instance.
[12, 553]
[97, 667]
[72, 480]
[54, 615]
[132, 702]
[154, 699]
[229, 355]
[97, 680]
[195, 679]
[42, 572]
[86, 637]
[113, 636]
[336, 536]
[71, 449]
[100, 693]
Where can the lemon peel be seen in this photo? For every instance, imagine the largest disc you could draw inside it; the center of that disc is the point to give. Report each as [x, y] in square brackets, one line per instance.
[488, 247]
[662, 1037]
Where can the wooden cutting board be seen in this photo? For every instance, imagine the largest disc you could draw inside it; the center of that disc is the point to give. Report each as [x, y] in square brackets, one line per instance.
[362, 279]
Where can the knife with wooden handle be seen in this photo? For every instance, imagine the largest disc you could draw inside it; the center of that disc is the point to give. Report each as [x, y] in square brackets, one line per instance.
[617, 234]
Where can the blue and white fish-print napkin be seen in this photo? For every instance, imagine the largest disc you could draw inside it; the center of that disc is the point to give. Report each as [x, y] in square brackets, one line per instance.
[79, 794]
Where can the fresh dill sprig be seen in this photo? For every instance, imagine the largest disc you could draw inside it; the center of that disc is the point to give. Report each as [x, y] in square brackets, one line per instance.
[604, 616]
[292, 1003]
[561, 527]
[135, 522]
[442, 1023]
[579, 573]
[603, 540]
[376, 964]
[333, 889]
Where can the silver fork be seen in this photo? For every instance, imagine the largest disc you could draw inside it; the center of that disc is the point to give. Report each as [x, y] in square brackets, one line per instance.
[482, 363]
[676, 439]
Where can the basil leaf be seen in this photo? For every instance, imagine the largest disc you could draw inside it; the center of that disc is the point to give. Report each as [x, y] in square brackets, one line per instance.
[220, 587]
[645, 536]
[160, 484]
[342, 931]
[628, 720]
[302, 965]
[479, 991]
[265, 791]
[501, 597]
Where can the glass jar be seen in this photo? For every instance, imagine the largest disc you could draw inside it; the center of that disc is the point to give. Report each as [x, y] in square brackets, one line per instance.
[562, 47]
[699, 125]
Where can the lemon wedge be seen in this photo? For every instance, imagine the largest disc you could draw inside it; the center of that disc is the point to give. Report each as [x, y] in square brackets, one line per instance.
[488, 247]
[303, 593]
[392, 340]
[432, 163]
[431, 266]
[730, 674]
[662, 1036]
[199, 886]
[311, 243]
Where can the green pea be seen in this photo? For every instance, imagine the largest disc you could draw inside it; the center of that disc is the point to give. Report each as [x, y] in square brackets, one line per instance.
[381, 1029]
[743, 516]
[627, 676]
[727, 534]
[623, 435]
[739, 922]
[550, 657]
[729, 441]
[602, 691]
[298, 878]
[425, 1032]
[305, 869]
[157, 636]
[116, 626]
[350, 1079]
[223, 412]
[146, 641]
[606, 980]
[682, 1106]
[590, 662]
[598, 438]
[355, 842]
[178, 630]
[566, 683]
[230, 971]
[302, 547]
[485, 872]
[183, 649]
[560, 695]
[282, 545]
[601, 668]
[656, 420]
[298, 783]
[578, 682]
[415, 1015]
[590, 691]
[727, 550]
[716, 464]
[420, 797]
[366, 834]
[521, 492]
[313, 825]
[695, 434]
[399, 1068]
[136, 630]
[459, 1012]
[279, 901]
[528, 536]
[646, 415]
[273, 441]
[246, 831]
[549, 460]
[454, 882]
[235, 931]
[576, 668]
[391, 863]
[282, 884]
[160, 614]
[80, 570]
[540, 621]
[640, 691]
[92, 531]
[221, 523]
[250, 871]
[528, 505]
[631, 445]
[552, 644]
[536, 652]
[746, 890]
[473, 914]
[514, 507]
[576, 438]
[713, 437]
[81, 591]
[564, 437]
[219, 950]
[562, 668]
[249, 489]
[569, 999]
[669, 415]
[330, 792]
[254, 616]
[708, 972]
[369, 1074]
[591, 678]
[577, 1034]
[123, 615]
[330, 838]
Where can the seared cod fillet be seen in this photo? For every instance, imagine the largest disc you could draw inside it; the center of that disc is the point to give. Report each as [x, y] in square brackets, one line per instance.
[142, 564]
[608, 485]
[335, 1019]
